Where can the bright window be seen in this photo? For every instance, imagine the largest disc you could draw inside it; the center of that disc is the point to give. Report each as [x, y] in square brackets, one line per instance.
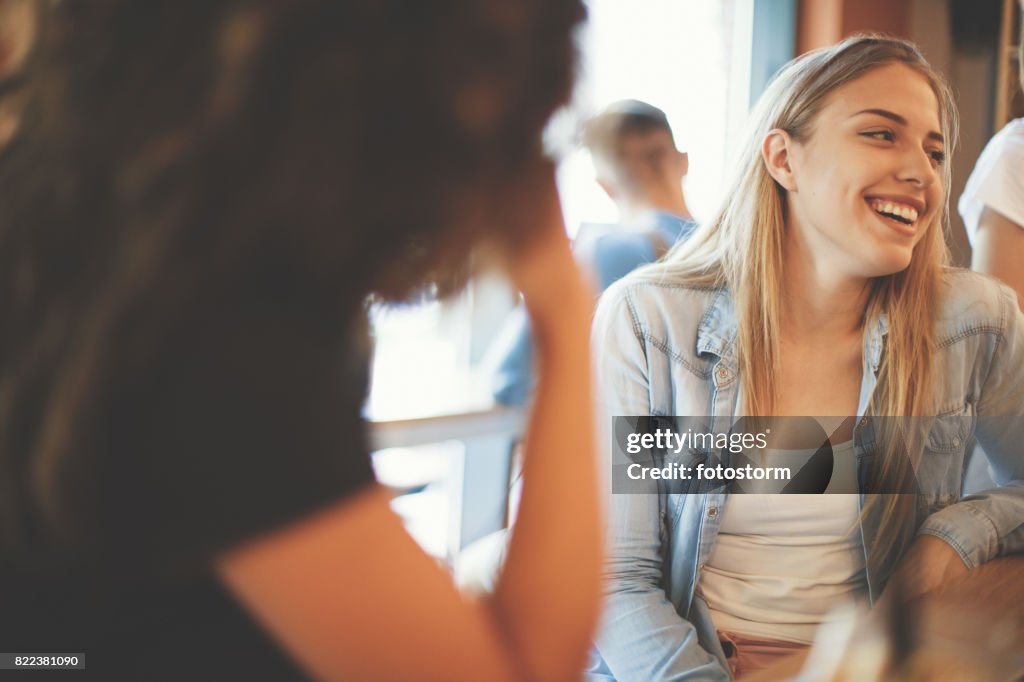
[689, 57]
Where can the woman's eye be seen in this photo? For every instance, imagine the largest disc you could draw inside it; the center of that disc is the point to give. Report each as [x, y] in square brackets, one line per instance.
[938, 156]
[880, 135]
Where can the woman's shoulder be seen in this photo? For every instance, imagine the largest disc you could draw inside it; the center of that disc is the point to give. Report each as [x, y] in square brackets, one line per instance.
[1001, 156]
[1005, 147]
[678, 319]
[973, 302]
[1013, 130]
[651, 300]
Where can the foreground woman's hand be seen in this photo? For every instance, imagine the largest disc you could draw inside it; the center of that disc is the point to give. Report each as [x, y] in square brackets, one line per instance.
[544, 270]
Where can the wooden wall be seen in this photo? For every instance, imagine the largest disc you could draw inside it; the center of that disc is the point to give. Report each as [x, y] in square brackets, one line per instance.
[823, 22]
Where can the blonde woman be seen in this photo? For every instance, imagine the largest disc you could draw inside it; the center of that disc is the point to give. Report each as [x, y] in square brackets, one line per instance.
[819, 289]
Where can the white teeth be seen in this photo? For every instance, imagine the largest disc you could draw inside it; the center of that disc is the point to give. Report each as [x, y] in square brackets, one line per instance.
[906, 212]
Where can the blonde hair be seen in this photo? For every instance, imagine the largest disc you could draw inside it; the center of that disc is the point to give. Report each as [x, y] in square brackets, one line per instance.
[742, 249]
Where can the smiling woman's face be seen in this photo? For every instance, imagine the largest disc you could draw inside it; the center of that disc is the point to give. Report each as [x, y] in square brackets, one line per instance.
[867, 183]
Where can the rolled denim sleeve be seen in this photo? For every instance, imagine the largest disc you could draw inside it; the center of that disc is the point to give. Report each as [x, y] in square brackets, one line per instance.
[642, 637]
[990, 524]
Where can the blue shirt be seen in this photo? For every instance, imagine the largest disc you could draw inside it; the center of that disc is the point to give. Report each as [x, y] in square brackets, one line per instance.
[667, 349]
[610, 253]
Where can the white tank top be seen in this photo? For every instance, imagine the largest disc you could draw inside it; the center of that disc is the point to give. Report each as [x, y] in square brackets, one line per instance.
[781, 562]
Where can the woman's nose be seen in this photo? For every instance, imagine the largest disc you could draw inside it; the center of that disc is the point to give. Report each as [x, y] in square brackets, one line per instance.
[919, 168]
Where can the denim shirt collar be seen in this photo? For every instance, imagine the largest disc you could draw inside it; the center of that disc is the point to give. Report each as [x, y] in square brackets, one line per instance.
[718, 329]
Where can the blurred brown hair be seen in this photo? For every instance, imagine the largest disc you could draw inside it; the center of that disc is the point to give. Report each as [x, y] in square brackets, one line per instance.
[173, 148]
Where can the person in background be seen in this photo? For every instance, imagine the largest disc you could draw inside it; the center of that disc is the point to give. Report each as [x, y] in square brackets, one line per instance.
[639, 166]
[992, 204]
[992, 208]
[197, 203]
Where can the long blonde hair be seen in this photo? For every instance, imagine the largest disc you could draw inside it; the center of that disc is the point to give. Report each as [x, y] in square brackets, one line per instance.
[742, 249]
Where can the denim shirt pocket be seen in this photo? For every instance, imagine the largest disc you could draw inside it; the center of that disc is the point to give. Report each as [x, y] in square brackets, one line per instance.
[940, 471]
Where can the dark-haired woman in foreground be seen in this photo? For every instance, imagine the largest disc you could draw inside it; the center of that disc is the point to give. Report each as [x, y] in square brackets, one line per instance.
[197, 199]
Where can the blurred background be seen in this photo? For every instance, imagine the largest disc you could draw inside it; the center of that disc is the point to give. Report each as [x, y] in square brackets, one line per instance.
[443, 445]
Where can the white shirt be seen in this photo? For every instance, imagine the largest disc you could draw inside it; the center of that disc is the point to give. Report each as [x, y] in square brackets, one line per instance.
[781, 562]
[997, 180]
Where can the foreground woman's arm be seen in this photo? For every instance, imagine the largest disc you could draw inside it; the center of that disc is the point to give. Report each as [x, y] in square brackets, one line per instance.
[351, 596]
[547, 598]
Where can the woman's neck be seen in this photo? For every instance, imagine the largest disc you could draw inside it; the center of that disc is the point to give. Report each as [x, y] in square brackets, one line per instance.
[820, 304]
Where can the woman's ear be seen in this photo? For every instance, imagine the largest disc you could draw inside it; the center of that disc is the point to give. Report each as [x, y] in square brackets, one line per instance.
[776, 151]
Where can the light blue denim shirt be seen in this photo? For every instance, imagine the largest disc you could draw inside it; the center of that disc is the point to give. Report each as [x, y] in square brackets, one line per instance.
[666, 349]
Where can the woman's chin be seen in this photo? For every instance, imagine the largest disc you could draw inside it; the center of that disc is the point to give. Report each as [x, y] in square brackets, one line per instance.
[889, 262]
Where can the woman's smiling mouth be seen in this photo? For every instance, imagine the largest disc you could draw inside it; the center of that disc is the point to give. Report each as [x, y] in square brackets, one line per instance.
[900, 214]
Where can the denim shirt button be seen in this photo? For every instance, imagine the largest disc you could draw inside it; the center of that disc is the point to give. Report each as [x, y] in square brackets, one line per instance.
[722, 373]
[863, 421]
[712, 512]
